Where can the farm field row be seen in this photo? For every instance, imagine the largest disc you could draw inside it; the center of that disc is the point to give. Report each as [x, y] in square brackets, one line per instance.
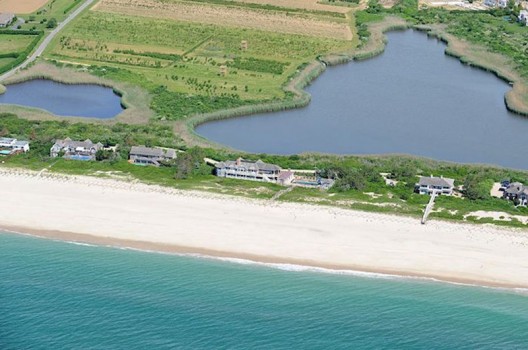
[231, 16]
[189, 58]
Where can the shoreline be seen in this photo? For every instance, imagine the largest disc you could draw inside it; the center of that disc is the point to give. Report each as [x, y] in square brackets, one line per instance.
[264, 261]
[151, 218]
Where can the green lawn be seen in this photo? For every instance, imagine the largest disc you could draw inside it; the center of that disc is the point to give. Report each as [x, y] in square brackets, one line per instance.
[14, 43]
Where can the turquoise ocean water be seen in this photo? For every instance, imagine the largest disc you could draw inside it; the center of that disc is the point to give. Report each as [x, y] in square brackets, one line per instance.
[57, 295]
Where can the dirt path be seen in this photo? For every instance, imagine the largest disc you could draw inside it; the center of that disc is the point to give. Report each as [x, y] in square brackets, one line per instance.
[40, 49]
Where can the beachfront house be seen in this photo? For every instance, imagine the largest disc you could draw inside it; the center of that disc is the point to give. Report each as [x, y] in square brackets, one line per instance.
[6, 142]
[523, 17]
[142, 155]
[6, 19]
[75, 150]
[431, 184]
[250, 170]
[517, 193]
[496, 3]
[10, 146]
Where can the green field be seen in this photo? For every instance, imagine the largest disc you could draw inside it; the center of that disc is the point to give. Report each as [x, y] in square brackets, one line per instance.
[186, 58]
[14, 43]
[15, 46]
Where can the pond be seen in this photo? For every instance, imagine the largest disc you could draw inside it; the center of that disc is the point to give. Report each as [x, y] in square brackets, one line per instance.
[79, 100]
[412, 99]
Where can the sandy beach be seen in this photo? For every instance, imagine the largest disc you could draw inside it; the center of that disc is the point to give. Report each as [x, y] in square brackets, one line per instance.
[130, 214]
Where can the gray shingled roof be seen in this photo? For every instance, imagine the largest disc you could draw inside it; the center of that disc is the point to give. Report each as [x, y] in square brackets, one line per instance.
[146, 151]
[6, 18]
[515, 188]
[436, 181]
[74, 144]
[258, 165]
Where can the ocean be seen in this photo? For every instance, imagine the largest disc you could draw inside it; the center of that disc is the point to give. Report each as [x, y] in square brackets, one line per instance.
[59, 295]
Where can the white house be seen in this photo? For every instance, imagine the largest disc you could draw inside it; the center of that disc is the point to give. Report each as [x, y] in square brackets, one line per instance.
[496, 3]
[523, 17]
[249, 170]
[431, 184]
[6, 142]
[10, 146]
[22, 146]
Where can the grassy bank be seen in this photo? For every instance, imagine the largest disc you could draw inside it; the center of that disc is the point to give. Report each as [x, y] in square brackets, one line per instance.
[134, 99]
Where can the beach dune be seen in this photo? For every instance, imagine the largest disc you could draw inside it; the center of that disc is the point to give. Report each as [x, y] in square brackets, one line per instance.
[135, 215]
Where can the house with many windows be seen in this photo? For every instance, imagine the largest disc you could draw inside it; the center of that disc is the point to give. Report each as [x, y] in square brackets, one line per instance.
[75, 150]
[517, 193]
[10, 146]
[250, 170]
[142, 155]
[431, 184]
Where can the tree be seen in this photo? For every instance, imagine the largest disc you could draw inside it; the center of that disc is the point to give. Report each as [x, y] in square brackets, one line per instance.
[52, 23]
[476, 188]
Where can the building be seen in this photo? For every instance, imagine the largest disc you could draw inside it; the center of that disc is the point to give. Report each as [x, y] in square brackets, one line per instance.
[249, 170]
[431, 184]
[523, 17]
[142, 155]
[10, 146]
[6, 19]
[6, 142]
[286, 177]
[21, 146]
[517, 192]
[75, 150]
[496, 3]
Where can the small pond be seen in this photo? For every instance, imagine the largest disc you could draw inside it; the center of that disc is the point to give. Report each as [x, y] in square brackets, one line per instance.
[79, 100]
[412, 99]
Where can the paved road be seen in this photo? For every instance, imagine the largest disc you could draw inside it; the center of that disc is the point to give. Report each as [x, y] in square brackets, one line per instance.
[47, 40]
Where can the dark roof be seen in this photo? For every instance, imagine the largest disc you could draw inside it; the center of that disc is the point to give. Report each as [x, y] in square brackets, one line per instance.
[436, 181]
[514, 188]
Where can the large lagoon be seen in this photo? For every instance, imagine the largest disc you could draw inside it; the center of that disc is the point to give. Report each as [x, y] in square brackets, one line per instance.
[80, 100]
[412, 99]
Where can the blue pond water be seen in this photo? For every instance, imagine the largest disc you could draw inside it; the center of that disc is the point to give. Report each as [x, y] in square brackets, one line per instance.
[78, 100]
[56, 295]
[412, 99]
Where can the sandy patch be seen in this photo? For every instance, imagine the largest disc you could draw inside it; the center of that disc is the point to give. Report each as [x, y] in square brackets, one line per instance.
[299, 4]
[142, 216]
[497, 216]
[228, 16]
[21, 6]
